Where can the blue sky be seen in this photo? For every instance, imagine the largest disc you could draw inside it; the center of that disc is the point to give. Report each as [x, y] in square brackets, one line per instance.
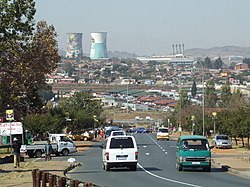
[149, 27]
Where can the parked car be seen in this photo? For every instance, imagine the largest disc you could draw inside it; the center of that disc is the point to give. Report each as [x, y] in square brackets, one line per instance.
[222, 141]
[81, 135]
[119, 151]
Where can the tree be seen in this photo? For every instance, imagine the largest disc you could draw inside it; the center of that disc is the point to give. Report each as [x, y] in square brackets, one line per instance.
[81, 108]
[210, 96]
[25, 57]
[207, 63]
[225, 94]
[218, 63]
[193, 89]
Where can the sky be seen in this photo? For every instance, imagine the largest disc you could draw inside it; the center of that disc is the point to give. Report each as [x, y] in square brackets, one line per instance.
[150, 27]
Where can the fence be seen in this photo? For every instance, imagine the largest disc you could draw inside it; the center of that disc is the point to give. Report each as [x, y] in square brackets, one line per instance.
[44, 179]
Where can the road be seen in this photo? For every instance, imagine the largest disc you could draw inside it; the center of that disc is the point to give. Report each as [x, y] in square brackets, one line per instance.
[156, 167]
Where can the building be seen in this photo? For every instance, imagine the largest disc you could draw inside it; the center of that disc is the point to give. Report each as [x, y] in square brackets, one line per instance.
[74, 45]
[98, 45]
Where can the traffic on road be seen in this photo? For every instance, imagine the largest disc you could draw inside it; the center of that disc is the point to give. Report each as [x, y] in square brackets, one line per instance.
[156, 166]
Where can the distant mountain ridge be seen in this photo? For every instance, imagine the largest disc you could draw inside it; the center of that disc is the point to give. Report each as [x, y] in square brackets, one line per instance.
[219, 51]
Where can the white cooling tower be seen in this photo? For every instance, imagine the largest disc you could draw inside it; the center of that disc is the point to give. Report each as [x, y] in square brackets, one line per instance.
[98, 45]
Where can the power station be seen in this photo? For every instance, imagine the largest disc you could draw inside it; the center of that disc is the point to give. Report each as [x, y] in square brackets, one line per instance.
[74, 45]
[98, 45]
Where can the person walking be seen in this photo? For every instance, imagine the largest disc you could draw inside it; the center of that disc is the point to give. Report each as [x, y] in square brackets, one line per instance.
[48, 151]
[16, 151]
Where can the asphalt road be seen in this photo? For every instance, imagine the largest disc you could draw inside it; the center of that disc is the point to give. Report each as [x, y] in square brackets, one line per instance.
[156, 167]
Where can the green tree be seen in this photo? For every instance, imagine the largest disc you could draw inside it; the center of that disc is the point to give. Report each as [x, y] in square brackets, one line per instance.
[210, 96]
[225, 94]
[193, 89]
[247, 61]
[207, 63]
[218, 63]
[81, 108]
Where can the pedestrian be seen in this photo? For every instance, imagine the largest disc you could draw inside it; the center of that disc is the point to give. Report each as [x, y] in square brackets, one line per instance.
[48, 151]
[16, 151]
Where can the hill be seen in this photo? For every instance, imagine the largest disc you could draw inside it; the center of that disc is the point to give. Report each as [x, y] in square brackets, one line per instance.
[225, 51]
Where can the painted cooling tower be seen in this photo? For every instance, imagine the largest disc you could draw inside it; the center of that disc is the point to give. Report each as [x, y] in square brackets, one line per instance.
[74, 45]
[98, 45]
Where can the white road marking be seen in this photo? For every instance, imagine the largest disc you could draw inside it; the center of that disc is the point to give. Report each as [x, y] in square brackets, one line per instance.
[158, 144]
[147, 153]
[144, 146]
[166, 179]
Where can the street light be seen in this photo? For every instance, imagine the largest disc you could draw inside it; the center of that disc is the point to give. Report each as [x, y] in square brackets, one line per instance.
[203, 100]
[193, 124]
[214, 117]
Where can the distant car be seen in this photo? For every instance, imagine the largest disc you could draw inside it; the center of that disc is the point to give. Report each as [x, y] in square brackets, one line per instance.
[140, 130]
[118, 133]
[222, 141]
[162, 133]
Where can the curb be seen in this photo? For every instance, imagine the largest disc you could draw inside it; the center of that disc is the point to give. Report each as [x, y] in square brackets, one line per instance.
[226, 168]
[72, 166]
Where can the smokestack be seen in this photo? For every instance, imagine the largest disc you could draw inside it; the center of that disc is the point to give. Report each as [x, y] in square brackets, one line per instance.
[176, 48]
[180, 48]
[183, 49]
[173, 49]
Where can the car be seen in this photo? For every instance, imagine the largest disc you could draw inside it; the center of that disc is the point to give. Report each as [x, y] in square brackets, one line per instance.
[222, 141]
[193, 151]
[81, 135]
[162, 133]
[118, 133]
[119, 151]
[140, 130]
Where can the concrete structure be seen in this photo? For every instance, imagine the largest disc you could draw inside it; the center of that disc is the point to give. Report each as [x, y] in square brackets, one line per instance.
[74, 45]
[98, 45]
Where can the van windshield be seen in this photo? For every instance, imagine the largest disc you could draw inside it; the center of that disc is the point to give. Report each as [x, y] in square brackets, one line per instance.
[194, 144]
[121, 142]
[163, 130]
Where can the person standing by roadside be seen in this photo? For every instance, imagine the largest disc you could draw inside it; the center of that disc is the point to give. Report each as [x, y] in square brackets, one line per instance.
[48, 151]
[16, 151]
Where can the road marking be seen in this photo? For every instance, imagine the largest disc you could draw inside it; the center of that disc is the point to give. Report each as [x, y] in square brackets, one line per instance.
[144, 146]
[147, 153]
[166, 179]
[158, 144]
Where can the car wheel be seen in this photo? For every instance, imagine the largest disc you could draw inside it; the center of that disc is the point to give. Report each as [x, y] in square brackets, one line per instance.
[65, 152]
[107, 167]
[207, 169]
[38, 154]
[178, 167]
[85, 138]
[133, 167]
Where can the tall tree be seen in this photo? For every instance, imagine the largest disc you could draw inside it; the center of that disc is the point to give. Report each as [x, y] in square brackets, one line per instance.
[193, 89]
[25, 57]
[208, 63]
[225, 94]
[210, 96]
[218, 63]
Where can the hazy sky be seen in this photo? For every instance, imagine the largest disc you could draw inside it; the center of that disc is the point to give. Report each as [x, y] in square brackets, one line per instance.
[149, 27]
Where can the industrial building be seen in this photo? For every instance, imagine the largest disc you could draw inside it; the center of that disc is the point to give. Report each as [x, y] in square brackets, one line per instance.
[74, 45]
[98, 45]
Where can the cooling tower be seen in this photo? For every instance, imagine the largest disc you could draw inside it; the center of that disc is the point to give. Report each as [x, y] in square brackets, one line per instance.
[98, 45]
[74, 45]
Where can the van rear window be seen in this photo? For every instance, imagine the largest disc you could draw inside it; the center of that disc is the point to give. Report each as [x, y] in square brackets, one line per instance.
[121, 142]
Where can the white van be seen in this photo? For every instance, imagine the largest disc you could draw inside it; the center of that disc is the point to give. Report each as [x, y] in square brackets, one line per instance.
[162, 133]
[118, 133]
[120, 151]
